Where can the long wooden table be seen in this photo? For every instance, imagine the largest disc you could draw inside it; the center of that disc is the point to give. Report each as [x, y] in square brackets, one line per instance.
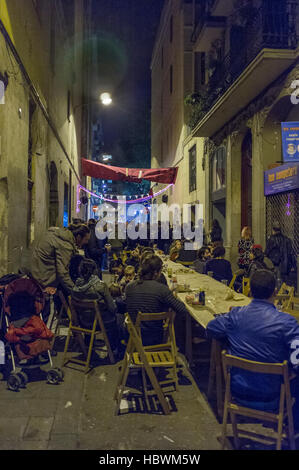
[215, 293]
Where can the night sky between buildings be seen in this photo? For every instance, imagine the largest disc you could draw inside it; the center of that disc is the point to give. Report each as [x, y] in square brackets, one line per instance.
[125, 33]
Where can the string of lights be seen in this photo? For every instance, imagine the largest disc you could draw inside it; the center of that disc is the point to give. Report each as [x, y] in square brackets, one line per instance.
[119, 199]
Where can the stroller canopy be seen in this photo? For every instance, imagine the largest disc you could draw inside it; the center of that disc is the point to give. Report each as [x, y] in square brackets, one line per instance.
[25, 285]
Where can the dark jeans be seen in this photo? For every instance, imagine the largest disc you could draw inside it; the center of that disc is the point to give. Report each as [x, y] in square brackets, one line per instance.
[113, 334]
[111, 330]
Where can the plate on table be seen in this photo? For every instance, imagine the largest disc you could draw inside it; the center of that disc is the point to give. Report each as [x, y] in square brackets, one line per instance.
[238, 297]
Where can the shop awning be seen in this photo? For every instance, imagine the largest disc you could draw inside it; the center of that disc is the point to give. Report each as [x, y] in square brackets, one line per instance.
[135, 175]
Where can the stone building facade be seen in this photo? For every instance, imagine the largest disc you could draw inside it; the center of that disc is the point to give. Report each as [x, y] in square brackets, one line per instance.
[244, 64]
[172, 80]
[43, 121]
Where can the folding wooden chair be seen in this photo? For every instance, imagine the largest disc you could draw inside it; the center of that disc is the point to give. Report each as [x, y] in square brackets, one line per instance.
[232, 407]
[147, 357]
[232, 282]
[285, 297]
[58, 314]
[76, 329]
[66, 308]
[168, 346]
[246, 286]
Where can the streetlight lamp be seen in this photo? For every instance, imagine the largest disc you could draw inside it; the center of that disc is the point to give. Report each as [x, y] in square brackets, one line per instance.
[106, 99]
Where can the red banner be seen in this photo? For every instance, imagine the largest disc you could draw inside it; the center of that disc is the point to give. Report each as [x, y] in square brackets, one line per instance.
[135, 175]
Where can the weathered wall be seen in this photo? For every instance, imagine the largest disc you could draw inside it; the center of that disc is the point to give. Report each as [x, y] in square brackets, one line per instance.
[55, 75]
[170, 141]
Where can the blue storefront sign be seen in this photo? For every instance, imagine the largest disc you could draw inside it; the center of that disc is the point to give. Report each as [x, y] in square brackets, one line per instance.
[282, 179]
[290, 141]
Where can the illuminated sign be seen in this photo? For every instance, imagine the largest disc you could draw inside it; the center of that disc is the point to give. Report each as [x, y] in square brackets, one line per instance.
[290, 141]
[281, 179]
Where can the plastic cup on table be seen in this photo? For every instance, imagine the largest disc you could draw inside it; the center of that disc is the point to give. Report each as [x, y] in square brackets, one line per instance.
[210, 273]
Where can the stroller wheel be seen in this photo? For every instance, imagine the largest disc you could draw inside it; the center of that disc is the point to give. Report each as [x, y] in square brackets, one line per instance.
[53, 377]
[14, 382]
[59, 372]
[24, 378]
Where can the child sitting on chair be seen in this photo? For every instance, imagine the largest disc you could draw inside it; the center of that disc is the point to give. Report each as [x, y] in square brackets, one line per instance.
[26, 329]
[90, 287]
[118, 298]
[121, 305]
[129, 276]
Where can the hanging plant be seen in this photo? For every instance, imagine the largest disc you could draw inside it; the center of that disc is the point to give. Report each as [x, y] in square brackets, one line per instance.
[198, 104]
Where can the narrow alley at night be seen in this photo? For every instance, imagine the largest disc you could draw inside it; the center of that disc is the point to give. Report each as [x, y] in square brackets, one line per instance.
[149, 239]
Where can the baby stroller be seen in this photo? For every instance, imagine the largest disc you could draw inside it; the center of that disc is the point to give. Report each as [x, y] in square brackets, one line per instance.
[17, 351]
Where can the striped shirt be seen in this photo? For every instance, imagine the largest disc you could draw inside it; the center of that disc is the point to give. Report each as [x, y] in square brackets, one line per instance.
[151, 297]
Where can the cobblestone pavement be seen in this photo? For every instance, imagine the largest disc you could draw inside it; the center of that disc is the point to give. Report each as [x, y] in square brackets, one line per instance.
[79, 414]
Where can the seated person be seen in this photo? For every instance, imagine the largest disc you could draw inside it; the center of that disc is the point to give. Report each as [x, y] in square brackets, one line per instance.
[146, 295]
[26, 329]
[117, 269]
[89, 287]
[74, 267]
[118, 298]
[177, 244]
[220, 267]
[129, 275]
[203, 255]
[174, 254]
[121, 305]
[134, 258]
[259, 332]
[148, 253]
[258, 261]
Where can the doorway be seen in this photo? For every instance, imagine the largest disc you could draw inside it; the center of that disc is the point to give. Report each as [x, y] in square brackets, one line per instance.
[246, 181]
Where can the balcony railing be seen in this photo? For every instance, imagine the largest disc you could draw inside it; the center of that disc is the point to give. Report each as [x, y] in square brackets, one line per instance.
[269, 29]
[204, 15]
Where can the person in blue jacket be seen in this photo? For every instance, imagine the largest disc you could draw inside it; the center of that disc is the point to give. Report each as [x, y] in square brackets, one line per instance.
[259, 332]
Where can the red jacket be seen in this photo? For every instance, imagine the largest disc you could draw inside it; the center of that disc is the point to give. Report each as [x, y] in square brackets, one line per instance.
[34, 327]
[41, 338]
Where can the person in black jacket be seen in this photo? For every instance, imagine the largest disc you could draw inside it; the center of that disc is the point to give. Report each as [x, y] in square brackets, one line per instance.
[94, 249]
[280, 251]
[258, 261]
[220, 267]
